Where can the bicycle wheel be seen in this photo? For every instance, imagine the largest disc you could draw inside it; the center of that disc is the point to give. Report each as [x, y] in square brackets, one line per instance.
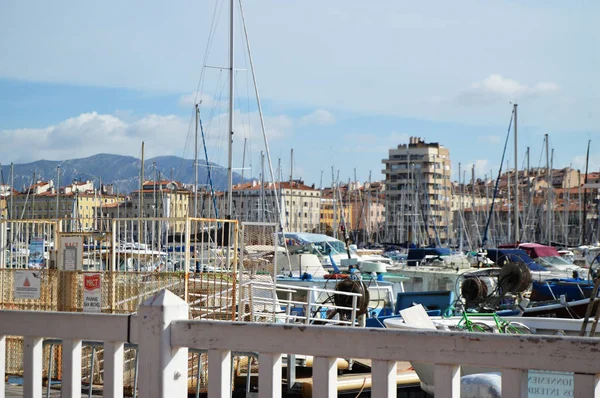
[516, 328]
[480, 327]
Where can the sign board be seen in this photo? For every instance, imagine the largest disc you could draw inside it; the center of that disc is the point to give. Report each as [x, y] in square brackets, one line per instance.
[549, 384]
[70, 253]
[36, 253]
[27, 285]
[92, 293]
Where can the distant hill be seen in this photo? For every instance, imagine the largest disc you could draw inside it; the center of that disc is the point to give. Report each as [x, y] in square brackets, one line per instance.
[121, 171]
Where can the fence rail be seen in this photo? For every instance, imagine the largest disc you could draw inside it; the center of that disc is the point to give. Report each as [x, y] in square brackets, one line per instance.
[164, 334]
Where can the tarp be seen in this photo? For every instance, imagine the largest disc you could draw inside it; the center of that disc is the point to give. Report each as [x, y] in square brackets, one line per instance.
[536, 250]
[514, 255]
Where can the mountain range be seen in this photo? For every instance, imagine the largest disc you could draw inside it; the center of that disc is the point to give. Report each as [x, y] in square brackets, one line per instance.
[121, 171]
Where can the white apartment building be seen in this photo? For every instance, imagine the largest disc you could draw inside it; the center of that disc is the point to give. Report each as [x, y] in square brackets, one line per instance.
[417, 192]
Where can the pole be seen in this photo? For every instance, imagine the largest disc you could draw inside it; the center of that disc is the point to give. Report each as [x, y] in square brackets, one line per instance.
[231, 109]
[549, 183]
[195, 213]
[57, 190]
[516, 205]
[292, 189]
[585, 180]
[12, 191]
[551, 196]
[141, 198]
[262, 187]
[460, 190]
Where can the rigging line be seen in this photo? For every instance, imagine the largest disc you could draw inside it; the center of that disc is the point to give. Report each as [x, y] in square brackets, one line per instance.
[217, 106]
[487, 224]
[200, 85]
[209, 43]
[212, 189]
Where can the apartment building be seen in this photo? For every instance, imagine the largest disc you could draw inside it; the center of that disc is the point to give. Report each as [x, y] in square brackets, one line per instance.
[77, 202]
[417, 192]
[163, 199]
[299, 204]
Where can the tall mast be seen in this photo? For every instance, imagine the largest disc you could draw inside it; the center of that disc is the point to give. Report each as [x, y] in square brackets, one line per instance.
[262, 187]
[508, 202]
[585, 180]
[551, 198]
[528, 194]
[141, 198]
[516, 205]
[12, 191]
[195, 213]
[57, 190]
[549, 183]
[231, 108]
[291, 188]
[333, 225]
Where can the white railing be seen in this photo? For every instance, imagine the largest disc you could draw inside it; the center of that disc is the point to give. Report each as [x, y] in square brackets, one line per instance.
[163, 335]
[314, 306]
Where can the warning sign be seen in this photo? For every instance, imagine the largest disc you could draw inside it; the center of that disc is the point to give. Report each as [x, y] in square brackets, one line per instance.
[27, 285]
[92, 293]
[70, 253]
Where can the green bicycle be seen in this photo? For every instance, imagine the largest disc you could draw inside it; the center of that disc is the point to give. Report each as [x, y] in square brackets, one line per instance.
[470, 324]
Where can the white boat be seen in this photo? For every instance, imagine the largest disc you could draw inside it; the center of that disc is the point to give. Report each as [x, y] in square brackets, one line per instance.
[417, 321]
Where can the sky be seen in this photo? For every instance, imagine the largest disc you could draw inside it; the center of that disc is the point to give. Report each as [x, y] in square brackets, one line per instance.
[341, 82]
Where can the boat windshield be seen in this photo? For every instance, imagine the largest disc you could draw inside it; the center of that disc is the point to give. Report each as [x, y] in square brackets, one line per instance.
[333, 247]
[554, 261]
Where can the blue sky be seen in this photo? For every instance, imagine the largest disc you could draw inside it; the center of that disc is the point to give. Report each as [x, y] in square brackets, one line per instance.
[341, 82]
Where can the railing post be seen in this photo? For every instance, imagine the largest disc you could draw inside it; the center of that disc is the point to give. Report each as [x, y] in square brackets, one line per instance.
[514, 383]
[586, 385]
[71, 375]
[447, 381]
[219, 374]
[164, 368]
[113, 369]
[384, 374]
[325, 377]
[2, 364]
[269, 375]
[32, 364]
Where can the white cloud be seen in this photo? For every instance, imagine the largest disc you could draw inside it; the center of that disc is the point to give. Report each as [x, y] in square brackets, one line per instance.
[489, 139]
[496, 88]
[92, 133]
[320, 117]
[374, 143]
[578, 162]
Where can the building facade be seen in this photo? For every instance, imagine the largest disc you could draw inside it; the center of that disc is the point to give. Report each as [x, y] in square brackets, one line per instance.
[299, 204]
[417, 193]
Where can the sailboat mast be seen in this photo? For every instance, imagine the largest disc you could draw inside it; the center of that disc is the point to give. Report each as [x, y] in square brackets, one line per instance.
[57, 190]
[585, 180]
[292, 189]
[549, 182]
[141, 198]
[197, 112]
[12, 191]
[231, 107]
[516, 205]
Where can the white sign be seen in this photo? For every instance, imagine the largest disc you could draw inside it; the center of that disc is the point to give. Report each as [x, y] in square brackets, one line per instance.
[70, 253]
[549, 384]
[92, 293]
[27, 285]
